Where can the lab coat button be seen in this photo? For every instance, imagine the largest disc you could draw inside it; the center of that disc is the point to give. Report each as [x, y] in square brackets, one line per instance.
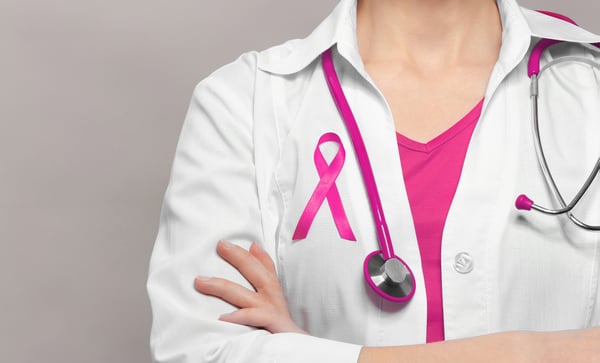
[463, 263]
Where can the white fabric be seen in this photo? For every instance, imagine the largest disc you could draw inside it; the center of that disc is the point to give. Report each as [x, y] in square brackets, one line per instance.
[243, 171]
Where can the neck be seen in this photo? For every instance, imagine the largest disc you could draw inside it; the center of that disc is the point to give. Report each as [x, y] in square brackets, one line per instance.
[428, 33]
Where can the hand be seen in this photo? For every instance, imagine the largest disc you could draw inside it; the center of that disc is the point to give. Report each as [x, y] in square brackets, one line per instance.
[265, 307]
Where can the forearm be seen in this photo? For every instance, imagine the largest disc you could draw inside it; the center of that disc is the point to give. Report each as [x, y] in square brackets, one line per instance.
[579, 346]
[500, 347]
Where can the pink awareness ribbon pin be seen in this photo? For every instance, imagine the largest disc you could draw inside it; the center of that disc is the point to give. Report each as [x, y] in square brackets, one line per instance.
[326, 189]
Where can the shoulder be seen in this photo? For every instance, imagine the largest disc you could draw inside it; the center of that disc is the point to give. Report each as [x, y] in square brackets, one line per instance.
[238, 82]
[242, 72]
[228, 92]
[233, 94]
[238, 74]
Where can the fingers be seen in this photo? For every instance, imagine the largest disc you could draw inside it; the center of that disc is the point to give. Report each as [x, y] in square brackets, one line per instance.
[264, 308]
[229, 291]
[263, 257]
[260, 318]
[250, 317]
[248, 265]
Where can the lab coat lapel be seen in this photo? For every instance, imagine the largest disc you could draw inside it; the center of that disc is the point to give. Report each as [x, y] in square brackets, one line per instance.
[482, 208]
[483, 201]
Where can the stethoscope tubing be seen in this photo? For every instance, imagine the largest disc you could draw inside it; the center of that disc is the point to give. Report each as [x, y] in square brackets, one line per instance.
[387, 274]
[381, 227]
[542, 160]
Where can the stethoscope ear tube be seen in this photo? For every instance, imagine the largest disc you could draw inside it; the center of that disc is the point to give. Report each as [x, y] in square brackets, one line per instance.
[534, 72]
[386, 273]
[523, 202]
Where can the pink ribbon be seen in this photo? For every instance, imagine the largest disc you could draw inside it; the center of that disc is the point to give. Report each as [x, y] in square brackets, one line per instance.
[326, 189]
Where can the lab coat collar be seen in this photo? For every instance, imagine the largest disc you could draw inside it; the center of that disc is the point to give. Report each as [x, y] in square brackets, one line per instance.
[293, 56]
[544, 26]
[339, 28]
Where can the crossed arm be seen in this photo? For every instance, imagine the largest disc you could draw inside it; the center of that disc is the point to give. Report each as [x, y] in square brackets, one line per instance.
[265, 307]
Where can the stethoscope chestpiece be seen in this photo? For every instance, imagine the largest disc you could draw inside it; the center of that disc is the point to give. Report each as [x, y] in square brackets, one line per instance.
[391, 279]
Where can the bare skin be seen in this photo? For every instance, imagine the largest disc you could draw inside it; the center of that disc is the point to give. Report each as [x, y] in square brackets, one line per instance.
[431, 59]
[265, 307]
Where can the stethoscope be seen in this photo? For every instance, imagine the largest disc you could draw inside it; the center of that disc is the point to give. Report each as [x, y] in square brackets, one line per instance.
[386, 273]
[523, 202]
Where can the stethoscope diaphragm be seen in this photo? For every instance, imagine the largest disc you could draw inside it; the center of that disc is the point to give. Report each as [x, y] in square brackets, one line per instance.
[391, 278]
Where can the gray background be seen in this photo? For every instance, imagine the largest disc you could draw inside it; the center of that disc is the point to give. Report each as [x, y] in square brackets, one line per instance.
[92, 98]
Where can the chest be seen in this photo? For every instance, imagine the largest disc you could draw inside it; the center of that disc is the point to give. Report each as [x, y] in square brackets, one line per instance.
[514, 255]
[424, 105]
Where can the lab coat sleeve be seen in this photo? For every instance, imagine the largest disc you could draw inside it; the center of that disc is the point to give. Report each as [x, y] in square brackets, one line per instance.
[212, 195]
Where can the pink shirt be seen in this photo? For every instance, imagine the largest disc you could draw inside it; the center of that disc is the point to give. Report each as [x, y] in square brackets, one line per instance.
[431, 173]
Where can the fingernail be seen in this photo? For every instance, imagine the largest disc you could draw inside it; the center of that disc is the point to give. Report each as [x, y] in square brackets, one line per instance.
[225, 244]
[202, 278]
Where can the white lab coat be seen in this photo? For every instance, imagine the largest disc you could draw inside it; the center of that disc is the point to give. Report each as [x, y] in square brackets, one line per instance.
[244, 171]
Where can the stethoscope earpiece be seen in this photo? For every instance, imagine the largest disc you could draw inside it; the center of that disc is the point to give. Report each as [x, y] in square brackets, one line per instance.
[523, 202]
[391, 279]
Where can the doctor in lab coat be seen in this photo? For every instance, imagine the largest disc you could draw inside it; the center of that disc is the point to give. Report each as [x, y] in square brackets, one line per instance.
[244, 170]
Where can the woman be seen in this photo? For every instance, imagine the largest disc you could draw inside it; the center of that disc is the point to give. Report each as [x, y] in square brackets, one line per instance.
[440, 92]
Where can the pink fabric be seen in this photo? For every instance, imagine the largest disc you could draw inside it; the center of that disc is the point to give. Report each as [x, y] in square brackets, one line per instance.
[326, 189]
[431, 174]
